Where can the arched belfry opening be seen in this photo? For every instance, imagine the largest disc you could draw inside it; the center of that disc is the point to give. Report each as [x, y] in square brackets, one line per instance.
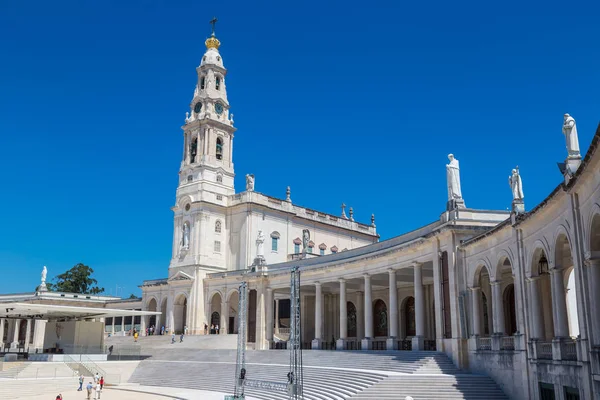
[219, 149]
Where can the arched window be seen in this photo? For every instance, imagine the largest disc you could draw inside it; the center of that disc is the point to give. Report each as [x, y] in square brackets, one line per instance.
[218, 226]
[275, 241]
[193, 149]
[380, 318]
[409, 315]
[202, 83]
[351, 320]
[218, 83]
[219, 148]
[220, 178]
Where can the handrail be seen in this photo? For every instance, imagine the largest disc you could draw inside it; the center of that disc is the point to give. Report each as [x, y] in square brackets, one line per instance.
[90, 365]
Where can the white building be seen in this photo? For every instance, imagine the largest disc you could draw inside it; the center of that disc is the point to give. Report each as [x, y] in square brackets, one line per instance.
[512, 295]
[216, 229]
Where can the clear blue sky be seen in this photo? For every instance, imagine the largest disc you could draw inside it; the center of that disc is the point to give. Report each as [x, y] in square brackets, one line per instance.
[345, 102]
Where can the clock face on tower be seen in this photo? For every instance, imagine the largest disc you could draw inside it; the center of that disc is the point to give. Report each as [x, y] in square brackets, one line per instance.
[197, 107]
[219, 108]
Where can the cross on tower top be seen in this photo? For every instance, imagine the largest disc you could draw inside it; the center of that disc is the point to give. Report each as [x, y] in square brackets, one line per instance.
[213, 22]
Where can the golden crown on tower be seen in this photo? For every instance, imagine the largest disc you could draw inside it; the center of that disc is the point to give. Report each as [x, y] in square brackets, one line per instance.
[212, 43]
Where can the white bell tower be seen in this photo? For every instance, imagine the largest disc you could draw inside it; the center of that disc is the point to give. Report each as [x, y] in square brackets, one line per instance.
[206, 175]
[207, 162]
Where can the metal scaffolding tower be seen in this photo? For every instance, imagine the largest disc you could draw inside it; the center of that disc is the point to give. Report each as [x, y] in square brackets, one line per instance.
[295, 376]
[240, 366]
[295, 381]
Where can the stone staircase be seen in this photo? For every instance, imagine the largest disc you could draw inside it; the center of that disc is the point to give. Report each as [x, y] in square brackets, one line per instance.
[333, 375]
[429, 387]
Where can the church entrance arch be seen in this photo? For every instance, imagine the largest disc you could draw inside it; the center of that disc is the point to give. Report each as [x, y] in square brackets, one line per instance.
[380, 318]
[152, 306]
[215, 313]
[233, 305]
[510, 312]
[180, 313]
[351, 320]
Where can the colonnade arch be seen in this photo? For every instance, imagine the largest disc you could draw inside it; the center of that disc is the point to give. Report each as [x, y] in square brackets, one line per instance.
[564, 295]
[380, 318]
[215, 311]
[180, 313]
[152, 306]
[540, 289]
[163, 314]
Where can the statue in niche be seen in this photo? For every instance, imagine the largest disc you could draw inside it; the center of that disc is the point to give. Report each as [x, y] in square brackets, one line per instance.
[185, 240]
[260, 245]
[516, 185]
[250, 182]
[305, 240]
[569, 129]
[453, 177]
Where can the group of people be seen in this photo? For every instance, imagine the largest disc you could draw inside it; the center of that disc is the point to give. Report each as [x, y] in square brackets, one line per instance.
[96, 387]
[155, 331]
[214, 329]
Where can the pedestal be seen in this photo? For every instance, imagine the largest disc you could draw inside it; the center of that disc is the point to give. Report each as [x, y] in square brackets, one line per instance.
[366, 344]
[43, 287]
[455, 204]
[518, 206]
[418, 343]
[316, 344]
[340, 344]
[391, 343]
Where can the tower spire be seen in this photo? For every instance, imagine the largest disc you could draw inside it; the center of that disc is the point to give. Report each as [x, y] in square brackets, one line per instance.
[212, 42]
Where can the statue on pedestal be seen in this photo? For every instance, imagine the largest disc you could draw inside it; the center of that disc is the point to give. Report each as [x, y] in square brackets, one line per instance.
[305, 240]
[569, 129]
[516, 185]
[260, 245]
[453, 177]
[43, 287]
[250, 182]
[185, 240]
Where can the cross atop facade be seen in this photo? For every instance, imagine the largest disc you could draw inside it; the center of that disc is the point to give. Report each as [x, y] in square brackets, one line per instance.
[213, 22]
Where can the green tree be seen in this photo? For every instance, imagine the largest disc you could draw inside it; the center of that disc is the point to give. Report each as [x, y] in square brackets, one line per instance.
[76, 280]
[132, 296]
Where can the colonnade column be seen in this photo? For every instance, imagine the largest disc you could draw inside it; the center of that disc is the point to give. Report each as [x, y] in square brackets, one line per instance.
[418, 340]
[561, 321]
[536, 308]
[27, 334]
[392, 342]
[316, 343]
[2, 322]
[594, 281]
[276, 316]
[343, 316]
[269, 315]
[360, 318]
[476, 305]
[223, 327]
[123, 325]
[15, 341]
[498, 306]
[112, 332]
[366, 342]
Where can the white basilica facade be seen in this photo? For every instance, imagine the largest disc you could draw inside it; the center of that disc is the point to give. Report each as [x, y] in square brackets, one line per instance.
[514, 295]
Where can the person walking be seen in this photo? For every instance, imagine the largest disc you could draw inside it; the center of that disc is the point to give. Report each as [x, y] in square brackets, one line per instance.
[89, 390]
[217, 329]
[96, 378]
[59, 397]
[135, 336]
[80, 383]
[98, 391]
[205, 329]
[173, 338]
[101, 382]
[181, 338]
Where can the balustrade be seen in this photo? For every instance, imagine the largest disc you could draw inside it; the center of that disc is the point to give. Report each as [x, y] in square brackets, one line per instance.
[379, 344]
[568, 350]
[484, 344]
[544, 350]
[507, 343]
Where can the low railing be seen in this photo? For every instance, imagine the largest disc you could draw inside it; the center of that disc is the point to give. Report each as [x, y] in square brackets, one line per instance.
[507, 343]
[484, 343]
[568, 350]
[284, 331]
[109, 379]
[544, 350]
[352, 345]
[379, 344]
[430, 345]
[328, 346]
[405, 344]
[278, 346]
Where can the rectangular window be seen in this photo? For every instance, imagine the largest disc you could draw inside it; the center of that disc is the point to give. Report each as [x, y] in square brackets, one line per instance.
[546, 391]
[217, 246]
[296, 248]
[219, 197]
[202, 83]
[322, 252]
[218, 83]
[273, 244]
[571, 393]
